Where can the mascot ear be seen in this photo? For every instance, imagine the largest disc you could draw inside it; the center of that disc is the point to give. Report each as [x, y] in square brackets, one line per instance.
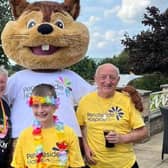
[73, 7]
[17, 7]
[135, 97]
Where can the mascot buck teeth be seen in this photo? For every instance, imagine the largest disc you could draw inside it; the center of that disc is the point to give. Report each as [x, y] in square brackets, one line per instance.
[45, 35]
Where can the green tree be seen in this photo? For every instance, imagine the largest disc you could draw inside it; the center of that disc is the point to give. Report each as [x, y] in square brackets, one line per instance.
[148, 51]
[5, 16]
[150, 81]
[85, 68]
[121, 61]
[106, 60]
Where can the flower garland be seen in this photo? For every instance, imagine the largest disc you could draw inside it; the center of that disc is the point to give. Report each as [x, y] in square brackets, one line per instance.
[61, 147]
[3, 128]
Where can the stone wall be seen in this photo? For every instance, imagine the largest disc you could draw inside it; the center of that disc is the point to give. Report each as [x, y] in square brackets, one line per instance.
[153, 120]
[156, 123]
[146, 113]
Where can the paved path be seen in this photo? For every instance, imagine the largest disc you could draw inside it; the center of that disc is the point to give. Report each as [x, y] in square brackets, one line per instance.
[149, 153]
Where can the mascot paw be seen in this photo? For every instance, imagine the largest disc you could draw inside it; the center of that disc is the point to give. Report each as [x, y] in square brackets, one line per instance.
[135, 97]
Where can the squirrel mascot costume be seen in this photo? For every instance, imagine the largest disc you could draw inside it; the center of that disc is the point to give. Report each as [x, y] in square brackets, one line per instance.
[45, 38]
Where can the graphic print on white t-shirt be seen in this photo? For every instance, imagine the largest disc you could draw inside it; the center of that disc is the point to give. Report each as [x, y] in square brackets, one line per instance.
[70, 87]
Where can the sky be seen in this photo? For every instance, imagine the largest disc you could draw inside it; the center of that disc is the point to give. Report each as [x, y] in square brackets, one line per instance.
[109, 20]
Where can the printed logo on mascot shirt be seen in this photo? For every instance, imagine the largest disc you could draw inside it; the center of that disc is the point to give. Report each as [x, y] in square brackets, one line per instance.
[66, 83]
[62, 86]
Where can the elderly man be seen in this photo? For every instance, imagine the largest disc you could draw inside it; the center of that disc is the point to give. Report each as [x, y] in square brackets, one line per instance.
[110, 123]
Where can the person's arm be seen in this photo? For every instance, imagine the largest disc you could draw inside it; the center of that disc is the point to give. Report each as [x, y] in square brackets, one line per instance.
[138, 130]
[81, 116]
[134, 136]
[74, 152]
[88, 152]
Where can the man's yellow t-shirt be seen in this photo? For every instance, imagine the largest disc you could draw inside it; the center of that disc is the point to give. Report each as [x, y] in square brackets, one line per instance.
[116, 113]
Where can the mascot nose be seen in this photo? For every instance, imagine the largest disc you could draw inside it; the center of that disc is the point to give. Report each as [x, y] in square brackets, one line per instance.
[45, 29]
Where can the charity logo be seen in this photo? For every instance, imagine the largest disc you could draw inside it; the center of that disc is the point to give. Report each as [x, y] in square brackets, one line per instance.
[66, 83]
[117, 112]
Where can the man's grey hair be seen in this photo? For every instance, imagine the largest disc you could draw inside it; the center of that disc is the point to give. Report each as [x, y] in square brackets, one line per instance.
[107, 64]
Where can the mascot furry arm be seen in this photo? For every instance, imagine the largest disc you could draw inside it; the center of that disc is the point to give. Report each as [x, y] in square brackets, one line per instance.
[135, 97]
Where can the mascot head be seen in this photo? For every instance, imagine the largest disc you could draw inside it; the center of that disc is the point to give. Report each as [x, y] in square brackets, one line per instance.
[45, 35]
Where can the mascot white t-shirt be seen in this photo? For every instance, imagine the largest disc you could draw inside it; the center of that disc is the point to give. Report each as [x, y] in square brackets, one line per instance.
[69, 86]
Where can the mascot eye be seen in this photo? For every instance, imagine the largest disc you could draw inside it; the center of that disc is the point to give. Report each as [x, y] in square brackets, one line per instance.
[30, 24]
[59, 23]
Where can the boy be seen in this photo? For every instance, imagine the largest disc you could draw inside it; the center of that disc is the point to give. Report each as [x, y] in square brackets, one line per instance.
[48, 143]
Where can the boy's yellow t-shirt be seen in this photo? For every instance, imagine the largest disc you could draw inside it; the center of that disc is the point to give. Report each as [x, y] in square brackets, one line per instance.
[24, 154]
[118, 114]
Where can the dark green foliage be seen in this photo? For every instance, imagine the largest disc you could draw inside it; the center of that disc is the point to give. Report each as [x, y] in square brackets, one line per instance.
[5, 16]
[148, 51]
[85, 68]
[5, 13]
[3, 59]
[14, 68]
[150, 81]
[121, 61]
[106, 60]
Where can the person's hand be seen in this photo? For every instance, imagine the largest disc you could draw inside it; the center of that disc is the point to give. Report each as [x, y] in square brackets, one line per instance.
[113, 137]
[89, 156]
